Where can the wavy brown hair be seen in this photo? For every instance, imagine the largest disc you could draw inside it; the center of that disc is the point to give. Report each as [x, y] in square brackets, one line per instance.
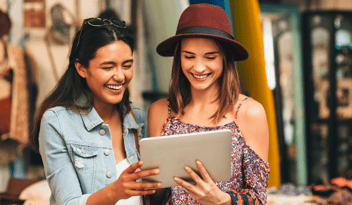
[229, 84]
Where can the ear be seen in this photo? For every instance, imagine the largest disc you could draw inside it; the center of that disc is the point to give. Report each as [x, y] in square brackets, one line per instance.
[82, 71]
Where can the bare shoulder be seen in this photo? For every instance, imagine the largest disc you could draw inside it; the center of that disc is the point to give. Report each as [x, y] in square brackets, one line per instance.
[157, 115]
[252, 122]
[159, 107]
[251, 109]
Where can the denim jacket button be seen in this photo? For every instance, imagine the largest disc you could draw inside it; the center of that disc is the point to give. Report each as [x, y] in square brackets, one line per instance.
[107, 152]
[109, 174]
[102, 132]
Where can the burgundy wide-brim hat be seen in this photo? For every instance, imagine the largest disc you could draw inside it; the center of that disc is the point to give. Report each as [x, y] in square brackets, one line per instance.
[204, 21]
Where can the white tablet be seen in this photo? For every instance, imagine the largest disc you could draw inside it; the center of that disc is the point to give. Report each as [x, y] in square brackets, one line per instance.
[171, 153]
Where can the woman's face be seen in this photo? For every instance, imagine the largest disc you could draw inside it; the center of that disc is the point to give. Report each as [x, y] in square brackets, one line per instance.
[109, 73]
[201, 62]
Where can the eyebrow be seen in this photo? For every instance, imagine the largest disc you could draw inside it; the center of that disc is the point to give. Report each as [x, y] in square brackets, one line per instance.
[128, 61]
[209, 53]
[113, 63]
[214, 52]
[108, 63]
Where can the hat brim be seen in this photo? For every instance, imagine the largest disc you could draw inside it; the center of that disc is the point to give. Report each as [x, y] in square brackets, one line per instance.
[168, 46]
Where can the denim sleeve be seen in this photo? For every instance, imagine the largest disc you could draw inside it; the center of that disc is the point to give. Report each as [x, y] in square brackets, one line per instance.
[140, 119]
[59, 170]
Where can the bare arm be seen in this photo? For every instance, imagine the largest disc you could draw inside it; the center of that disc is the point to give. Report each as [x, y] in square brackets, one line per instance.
[253, 125]
[157, 115]
[252, 122]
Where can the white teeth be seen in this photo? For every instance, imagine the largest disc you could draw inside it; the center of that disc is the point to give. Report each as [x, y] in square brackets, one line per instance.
[114, 87]
[200, 76]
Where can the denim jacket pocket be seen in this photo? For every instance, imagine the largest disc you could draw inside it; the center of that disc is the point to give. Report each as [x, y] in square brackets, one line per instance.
[84, 156]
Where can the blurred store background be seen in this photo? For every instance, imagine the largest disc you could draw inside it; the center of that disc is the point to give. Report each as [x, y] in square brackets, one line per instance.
[300, 69]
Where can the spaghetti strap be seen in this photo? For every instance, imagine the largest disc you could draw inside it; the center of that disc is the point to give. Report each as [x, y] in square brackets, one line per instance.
[168, 108]
[167, 120]
[239, 105]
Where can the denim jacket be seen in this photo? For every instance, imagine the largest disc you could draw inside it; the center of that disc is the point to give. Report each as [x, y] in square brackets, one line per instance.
[77, 153]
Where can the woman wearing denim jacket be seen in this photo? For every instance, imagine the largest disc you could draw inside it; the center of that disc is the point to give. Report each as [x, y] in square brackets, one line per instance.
[84, 129]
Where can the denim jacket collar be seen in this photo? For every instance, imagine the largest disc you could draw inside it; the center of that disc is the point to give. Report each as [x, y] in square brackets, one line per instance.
[129, 121]
[91, 119]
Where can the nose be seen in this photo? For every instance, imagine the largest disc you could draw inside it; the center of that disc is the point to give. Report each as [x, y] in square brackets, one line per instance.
[118, 76]
[199, 66]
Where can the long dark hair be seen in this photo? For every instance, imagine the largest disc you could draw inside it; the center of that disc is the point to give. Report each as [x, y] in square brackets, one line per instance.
[72, 88]
[229, 84]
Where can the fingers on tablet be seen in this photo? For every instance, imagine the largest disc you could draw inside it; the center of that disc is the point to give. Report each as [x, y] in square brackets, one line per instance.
[178, 181]
[143, 186]
[188, 186]
[140, 192]
[193, 174]
[145, 173]
[203, 171]
[133, 167]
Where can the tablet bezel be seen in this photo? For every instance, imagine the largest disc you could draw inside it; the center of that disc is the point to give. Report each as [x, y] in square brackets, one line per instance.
[185, 149]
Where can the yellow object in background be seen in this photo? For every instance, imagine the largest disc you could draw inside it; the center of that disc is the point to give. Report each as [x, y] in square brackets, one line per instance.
[248, 31]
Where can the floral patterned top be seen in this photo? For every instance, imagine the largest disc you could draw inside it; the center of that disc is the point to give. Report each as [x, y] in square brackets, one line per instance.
[249, 173]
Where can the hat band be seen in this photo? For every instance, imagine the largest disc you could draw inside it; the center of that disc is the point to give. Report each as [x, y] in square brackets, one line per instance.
[205, 30]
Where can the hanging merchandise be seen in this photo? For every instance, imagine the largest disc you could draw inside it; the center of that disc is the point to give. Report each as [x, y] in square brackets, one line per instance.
[62, 22]
[34, 13]
[5, 24]
[248, 30]
[14, 134]
[59, 33]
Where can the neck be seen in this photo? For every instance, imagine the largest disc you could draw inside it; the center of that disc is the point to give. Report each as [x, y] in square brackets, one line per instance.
[204, 97]
[106, 112]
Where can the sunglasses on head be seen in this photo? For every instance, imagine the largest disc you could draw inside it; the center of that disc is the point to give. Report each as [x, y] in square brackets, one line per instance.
[97, 22]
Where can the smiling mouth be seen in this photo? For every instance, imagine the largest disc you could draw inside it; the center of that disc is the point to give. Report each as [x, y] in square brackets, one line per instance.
[200, 76]
[114, 87]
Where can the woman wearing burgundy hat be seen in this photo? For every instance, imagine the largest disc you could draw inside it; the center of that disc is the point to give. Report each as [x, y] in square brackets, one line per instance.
[204, 95]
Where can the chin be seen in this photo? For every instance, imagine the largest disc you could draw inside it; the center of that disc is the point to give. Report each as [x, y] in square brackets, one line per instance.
[113, 99]
[200, 88]
[116, 101]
